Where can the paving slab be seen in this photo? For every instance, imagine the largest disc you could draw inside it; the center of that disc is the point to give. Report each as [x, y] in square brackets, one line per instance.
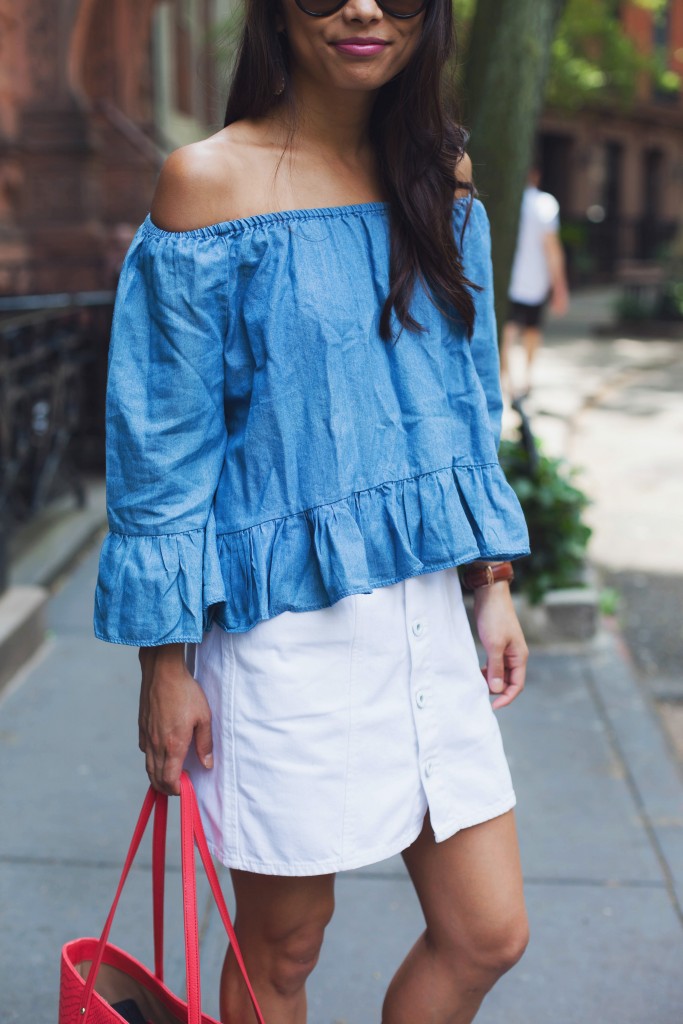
[609, 955]
[376, 921]
[43, 909]
[598, 814]
[577, 818]
[72, 609]
[68, 755]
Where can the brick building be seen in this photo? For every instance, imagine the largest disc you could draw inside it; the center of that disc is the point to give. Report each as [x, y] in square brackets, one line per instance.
[619, 174]
[93, 93]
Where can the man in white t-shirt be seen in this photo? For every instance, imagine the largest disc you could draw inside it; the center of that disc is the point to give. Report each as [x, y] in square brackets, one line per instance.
[538, 273]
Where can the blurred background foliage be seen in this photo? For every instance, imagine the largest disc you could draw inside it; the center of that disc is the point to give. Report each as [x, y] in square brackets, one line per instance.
[554, 508]
[592, 57]
[95, 93]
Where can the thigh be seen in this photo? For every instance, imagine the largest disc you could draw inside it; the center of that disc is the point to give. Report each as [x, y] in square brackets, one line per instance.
[470, 886]
[273, 909]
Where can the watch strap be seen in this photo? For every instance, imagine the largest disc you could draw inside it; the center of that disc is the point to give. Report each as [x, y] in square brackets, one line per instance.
[475, 576]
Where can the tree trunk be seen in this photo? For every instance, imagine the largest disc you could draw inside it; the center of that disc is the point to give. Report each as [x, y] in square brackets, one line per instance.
[506, 68]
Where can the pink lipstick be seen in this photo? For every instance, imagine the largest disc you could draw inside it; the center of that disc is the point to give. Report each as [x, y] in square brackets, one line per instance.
[361, 46]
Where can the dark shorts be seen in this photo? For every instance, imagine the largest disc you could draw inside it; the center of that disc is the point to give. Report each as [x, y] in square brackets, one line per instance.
[525, 316]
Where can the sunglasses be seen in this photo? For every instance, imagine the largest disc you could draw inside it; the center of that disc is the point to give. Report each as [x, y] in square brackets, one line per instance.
[395, 8]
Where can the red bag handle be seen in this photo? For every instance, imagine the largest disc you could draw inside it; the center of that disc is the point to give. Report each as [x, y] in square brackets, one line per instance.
[158, 878]
[205, 855]
[191, 831]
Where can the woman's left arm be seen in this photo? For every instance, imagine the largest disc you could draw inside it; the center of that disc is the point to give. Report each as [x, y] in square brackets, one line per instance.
[502, 638]
[497, 624]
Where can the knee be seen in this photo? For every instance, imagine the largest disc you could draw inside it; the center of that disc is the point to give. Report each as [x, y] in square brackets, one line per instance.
[292, 954]
[497, 949]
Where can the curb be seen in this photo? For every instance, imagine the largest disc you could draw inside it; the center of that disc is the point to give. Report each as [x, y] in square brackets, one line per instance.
[22, 627]
[57, 540]
[56, 544]
[653, 773]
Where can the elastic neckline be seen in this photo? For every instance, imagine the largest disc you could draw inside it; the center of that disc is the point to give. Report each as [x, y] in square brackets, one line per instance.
[233, 227]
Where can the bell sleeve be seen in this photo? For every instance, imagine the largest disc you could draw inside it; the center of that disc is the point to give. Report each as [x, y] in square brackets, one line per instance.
[166, 437]
[484, 343]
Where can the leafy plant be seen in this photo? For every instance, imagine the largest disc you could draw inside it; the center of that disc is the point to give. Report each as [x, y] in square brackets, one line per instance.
[634, 306]
[554, 507]
[609, 601]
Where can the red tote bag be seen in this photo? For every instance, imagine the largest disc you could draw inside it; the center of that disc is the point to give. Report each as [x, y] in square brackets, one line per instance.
[95, 974]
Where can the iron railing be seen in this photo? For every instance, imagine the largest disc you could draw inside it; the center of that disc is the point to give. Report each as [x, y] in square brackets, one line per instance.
[52, 375]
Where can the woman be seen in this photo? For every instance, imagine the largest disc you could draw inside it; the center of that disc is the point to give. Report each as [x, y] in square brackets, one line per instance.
[303, 417]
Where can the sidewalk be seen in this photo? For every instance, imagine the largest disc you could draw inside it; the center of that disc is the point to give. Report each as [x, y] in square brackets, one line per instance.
[600, 795]
[599, 815]
[613, 406]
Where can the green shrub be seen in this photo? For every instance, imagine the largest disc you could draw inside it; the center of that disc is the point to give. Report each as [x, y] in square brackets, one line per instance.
[554, 509]
[632, 306]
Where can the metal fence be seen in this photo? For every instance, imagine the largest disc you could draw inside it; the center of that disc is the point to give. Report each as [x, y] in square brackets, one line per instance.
[52, 384]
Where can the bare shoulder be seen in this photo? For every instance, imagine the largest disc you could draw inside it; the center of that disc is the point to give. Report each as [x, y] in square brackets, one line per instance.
[463, 174]
[201, 183]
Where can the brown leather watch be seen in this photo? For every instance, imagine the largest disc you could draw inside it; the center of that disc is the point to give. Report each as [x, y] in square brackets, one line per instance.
[475, 576]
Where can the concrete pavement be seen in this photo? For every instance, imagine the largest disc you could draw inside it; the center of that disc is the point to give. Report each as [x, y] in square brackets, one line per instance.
[599, 815]
[613, 406]
[600, 795]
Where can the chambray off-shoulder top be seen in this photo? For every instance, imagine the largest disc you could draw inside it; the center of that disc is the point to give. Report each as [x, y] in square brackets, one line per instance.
[266, 449]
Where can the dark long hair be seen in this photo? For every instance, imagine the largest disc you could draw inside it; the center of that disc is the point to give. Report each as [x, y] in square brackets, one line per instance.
[418, 145]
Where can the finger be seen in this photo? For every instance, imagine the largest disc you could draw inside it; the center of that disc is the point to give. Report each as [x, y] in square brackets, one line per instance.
[495, 671]
[511, 692]
[154, 764]
[149, 767]
[170, 775]
[203, 742]
[513, 688]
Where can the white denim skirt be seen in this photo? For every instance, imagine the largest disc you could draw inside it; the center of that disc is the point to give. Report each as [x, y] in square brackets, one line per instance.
[336, 730]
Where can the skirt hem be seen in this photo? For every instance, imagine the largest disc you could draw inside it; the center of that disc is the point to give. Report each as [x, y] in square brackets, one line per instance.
[332, 866]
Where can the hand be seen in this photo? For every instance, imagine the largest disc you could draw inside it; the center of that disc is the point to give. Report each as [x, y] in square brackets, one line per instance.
[173, 710]
[559, 301]
[501, 634]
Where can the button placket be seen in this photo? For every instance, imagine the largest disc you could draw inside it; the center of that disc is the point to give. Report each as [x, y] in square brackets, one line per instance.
[426, 728]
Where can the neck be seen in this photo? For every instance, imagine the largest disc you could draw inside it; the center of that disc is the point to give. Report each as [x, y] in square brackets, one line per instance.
[332, 121]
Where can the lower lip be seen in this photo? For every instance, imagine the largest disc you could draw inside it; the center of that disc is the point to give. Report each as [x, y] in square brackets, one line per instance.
[359, 50]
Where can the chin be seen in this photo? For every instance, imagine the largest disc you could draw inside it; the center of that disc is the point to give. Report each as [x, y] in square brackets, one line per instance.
[365, 79]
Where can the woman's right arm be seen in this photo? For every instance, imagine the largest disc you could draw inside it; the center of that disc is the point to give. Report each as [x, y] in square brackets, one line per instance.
[173, 712]
[159, 570]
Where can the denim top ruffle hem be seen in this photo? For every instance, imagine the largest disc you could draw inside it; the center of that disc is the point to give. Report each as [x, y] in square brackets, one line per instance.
[266, 449]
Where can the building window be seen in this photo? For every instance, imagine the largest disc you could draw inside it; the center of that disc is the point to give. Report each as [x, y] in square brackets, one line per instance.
[666, 89]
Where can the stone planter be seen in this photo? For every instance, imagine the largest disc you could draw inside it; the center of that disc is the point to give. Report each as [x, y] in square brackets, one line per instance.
[570, 614]
[562, 616]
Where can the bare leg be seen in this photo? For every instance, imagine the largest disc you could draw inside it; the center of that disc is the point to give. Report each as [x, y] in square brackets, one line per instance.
[510, 335]
[470, 890]
[280, 923]
[531, 339]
